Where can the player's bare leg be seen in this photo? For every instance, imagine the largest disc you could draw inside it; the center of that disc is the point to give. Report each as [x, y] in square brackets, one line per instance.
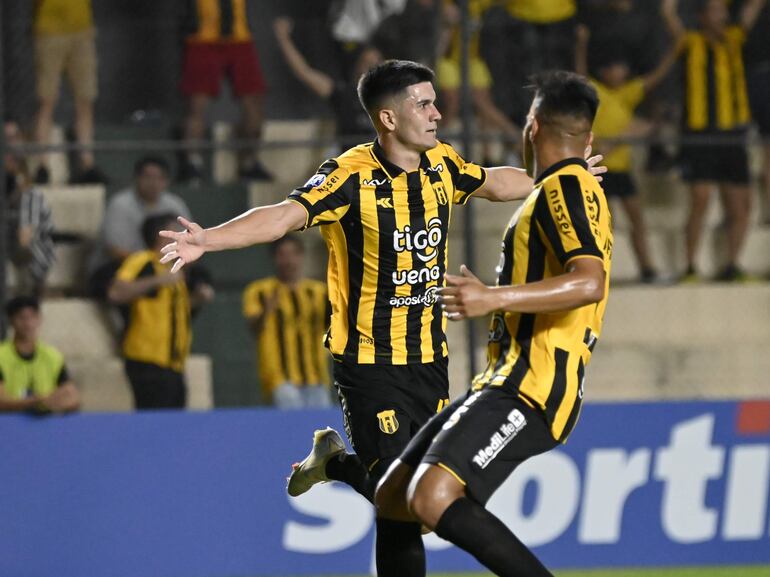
[399, 550]
[699, 201]
[438, 499]
[736, 200]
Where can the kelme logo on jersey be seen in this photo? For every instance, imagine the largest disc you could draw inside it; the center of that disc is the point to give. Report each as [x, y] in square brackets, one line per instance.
[423, 243]
[388, 421]
[427, 299]
[515, 422]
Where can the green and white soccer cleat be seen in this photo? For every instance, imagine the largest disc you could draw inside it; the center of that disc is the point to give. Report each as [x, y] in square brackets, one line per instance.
[327, 443]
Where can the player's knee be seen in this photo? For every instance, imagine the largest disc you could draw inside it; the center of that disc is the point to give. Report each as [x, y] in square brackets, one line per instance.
[390, 494]
[430, 493]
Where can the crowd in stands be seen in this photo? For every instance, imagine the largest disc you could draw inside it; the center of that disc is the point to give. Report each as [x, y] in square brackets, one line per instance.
[627, 49]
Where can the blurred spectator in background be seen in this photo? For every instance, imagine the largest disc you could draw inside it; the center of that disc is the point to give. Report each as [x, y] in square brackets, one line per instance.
[715, 118]
[288, 315]
[29, 224]
[619, 96]
[121, 232]
[449, 77]
[522, 37]
[219, 43]
[411, 34]
[33, 376]
[158, 334]
[352, 121]
[354, 22]
[65, 41]
[757, 55]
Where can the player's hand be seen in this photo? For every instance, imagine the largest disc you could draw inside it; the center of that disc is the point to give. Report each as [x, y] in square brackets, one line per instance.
[187, 246]
[282, 26]
[593, 163]
[464, 296]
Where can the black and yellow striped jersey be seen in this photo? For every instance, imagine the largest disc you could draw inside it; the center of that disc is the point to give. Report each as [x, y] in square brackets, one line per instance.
[217, 21]
[386, 231]
[290, 345]
[158, 328]
[715, 97]
[543, 356]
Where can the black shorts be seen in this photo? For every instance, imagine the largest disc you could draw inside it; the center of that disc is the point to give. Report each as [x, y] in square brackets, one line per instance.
[716, 160]
[384, 406]
[618, 185]
[481, 438]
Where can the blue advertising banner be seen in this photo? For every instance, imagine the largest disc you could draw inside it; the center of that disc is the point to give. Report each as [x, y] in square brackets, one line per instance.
[203, 494]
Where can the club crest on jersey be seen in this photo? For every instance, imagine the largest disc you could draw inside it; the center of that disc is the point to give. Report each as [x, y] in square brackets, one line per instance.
[440, 192]
[315, 181]
[388, 421]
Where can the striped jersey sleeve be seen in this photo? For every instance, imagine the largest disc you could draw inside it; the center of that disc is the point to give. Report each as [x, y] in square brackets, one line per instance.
[568, 218]
[467, 177]
[326, 196]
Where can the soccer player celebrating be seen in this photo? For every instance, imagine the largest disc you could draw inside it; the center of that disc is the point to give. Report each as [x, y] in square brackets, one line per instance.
[384, 210]
[547, 315]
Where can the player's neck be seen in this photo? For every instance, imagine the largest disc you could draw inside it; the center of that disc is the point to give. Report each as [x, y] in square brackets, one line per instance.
[407, 159]
[547, 156]
[24, 346]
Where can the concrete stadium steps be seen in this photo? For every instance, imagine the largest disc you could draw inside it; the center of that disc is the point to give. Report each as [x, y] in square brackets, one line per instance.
[680, 342]
[81, 331]
[283, 162]
[76, 209]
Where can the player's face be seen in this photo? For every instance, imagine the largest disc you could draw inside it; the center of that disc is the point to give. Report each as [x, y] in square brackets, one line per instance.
[26, 323]
[151, 182]
[615, 74]
[714, 15]
[416, 117]
[528, 148]
[288, 261]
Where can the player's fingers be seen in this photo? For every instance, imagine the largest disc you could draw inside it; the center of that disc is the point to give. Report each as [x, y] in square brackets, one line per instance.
[168, 257]
[177, 266]
[466, 272]
[454, 316]
[455, 281]
[169, 247]
[168, 234]
[594, 160]
[587, 152]
[184, 222]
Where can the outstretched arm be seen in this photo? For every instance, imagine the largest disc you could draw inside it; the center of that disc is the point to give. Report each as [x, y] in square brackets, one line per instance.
[256, 226]
[581, 284]
[655, 77]
[314, 79]
[505, 183]
[582, 36]
[750, 12]
[668, 9]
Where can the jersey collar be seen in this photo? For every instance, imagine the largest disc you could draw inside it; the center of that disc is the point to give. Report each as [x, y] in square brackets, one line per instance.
[393, 170]
[558, 166]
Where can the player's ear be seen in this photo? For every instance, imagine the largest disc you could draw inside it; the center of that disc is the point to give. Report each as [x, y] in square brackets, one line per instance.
[387, 118]
[533, 128]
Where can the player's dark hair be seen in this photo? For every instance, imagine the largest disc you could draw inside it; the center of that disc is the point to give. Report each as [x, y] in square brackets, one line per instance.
[388, 79]
[146, 161]
[563, 93]
[152, 225]
[18, 304]
[290, 238]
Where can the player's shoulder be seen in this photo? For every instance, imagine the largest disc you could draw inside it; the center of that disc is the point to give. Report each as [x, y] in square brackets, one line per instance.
[567, 178]
[314, 285]
[357, 158]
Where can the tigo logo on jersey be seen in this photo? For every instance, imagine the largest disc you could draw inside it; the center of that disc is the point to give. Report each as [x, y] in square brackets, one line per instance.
[425, 241]
[388, 421]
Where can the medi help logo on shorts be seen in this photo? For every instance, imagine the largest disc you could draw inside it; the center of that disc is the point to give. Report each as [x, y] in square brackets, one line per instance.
[644, 484]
